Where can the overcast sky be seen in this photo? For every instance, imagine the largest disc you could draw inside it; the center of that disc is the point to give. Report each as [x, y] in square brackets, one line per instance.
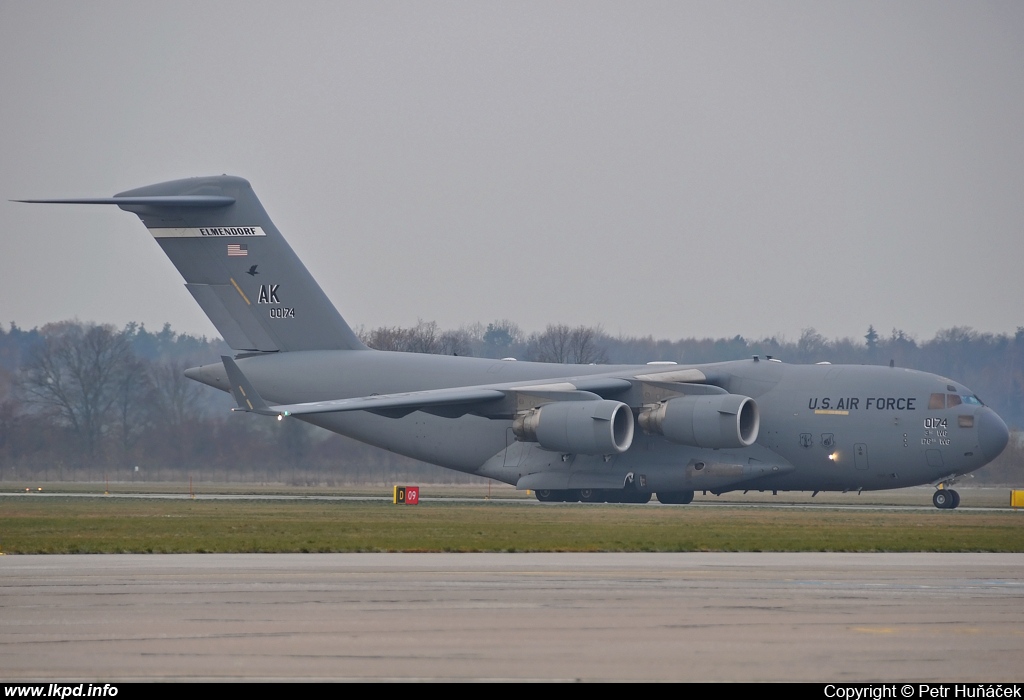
[674, 169]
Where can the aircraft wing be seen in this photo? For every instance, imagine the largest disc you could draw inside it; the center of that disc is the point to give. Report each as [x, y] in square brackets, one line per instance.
[248, 398]
[496, 399]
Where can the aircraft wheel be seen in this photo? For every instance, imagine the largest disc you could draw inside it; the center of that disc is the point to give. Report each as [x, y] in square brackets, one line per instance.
[590, 495]
[956, 499]
[675, 497]
[545, 495]
[943, 499]
[637, 497]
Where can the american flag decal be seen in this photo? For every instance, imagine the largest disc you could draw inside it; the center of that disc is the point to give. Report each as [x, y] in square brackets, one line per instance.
[237, 250]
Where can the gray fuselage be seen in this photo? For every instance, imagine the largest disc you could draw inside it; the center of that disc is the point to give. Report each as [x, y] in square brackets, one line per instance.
[823, 427]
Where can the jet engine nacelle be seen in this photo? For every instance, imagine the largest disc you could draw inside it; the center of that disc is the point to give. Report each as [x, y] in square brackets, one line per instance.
[578, 427]
[715, 421]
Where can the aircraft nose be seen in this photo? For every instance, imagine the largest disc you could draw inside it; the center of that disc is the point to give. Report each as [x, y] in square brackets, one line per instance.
[992, 433]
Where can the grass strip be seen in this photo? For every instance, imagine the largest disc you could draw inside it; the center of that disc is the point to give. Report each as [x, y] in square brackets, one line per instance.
[66, 526]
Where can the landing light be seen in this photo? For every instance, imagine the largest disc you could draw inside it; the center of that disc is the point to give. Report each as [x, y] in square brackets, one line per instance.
[834, 456]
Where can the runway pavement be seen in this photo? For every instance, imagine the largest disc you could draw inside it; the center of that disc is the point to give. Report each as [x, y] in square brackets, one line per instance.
[590, 617]
[876, 503]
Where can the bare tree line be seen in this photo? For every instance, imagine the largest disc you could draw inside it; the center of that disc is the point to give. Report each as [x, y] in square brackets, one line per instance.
[80, 400]
[558, 343]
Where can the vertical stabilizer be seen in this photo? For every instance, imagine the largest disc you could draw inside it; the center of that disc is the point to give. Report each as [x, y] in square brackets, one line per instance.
[237, 265]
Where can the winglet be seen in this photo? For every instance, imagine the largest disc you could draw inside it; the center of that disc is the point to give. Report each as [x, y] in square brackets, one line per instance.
[245, 393]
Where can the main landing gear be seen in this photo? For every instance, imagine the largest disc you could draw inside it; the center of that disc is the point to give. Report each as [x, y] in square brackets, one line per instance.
[946, 499]
[626, 495]
[592, 496]
[680, 498]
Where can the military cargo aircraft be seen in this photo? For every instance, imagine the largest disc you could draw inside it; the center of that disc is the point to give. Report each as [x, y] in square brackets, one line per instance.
[568, 432]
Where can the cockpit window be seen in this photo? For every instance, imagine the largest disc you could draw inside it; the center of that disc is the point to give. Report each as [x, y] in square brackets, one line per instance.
[938, 401]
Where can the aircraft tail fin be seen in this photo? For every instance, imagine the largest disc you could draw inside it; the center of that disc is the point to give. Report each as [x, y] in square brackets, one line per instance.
[236, 264]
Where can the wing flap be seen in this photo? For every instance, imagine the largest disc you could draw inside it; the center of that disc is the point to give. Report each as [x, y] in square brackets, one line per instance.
[412, 400]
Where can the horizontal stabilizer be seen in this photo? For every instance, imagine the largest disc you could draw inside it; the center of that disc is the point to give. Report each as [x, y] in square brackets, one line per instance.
[171, 200]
